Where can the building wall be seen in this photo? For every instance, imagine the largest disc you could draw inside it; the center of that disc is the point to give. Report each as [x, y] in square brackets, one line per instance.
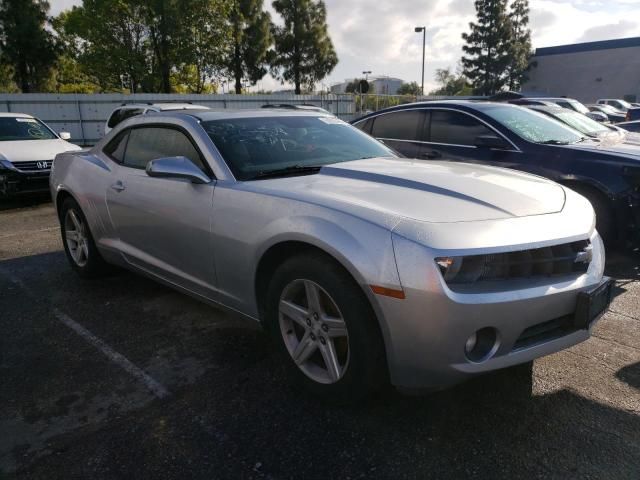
[587, 76]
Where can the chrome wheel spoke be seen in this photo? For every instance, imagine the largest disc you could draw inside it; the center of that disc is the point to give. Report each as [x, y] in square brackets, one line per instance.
[294, 312]
[328, 351]
[85, 250]
[313, 296]
[334, 327]
[75, 220]
[72, 235]
[304, 350]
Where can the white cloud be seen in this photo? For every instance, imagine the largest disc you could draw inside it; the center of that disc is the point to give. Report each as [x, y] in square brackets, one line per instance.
[379, 35]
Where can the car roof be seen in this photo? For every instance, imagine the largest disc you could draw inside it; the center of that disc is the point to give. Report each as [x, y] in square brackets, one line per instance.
[167, 106]
[13, 114]
[477, 105]
[206, 115]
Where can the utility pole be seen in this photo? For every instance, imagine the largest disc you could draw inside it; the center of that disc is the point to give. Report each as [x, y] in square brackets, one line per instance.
[424, 38]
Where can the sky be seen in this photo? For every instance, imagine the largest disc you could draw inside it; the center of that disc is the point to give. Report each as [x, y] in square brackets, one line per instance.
[379, 35]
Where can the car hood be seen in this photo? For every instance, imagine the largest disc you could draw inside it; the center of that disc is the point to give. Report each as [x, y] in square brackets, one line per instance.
[628, 148]
[423, 191]
[30, 150]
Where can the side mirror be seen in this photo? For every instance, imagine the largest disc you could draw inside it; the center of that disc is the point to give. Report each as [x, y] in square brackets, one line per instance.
[65, 135]
[176, 167]
[491, 141]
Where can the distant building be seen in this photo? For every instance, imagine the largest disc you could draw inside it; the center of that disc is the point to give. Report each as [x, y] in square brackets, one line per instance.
[382, 85]
[587, 71]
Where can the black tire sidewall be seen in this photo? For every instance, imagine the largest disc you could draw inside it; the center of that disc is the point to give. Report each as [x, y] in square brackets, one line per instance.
[366, 371]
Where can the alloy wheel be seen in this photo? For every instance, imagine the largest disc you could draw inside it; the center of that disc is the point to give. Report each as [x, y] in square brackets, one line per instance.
[314, 331]
[75, 233]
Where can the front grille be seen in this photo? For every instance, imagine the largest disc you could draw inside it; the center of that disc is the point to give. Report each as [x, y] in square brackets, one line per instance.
[33, 166]
[563, 259]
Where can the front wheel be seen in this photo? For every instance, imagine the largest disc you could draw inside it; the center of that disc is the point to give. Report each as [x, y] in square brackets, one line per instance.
[325, 328]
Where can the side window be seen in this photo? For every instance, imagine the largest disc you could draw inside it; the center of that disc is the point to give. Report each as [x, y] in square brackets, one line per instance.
[130, 112]
[456, 128]
[365, 126]
[116, 147]
[402, 125]
[115, 118]
[148, 143]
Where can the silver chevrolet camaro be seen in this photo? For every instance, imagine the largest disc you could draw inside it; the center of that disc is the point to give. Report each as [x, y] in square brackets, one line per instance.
[365, 267]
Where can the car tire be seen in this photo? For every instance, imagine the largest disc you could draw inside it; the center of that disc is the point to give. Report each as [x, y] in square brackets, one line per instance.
[355, 346]
[79, 246]
[605, 222]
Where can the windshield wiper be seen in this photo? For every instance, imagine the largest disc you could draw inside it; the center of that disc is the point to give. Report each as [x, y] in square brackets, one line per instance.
[286, 171]
[554, 142]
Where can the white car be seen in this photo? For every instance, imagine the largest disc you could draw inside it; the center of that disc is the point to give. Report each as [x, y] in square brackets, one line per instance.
[616, 103]
[27, 149]
[125, 111]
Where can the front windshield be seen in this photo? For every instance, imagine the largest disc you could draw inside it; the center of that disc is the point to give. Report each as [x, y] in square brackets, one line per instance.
[582, 123]
[253, 146]
[577, 106]
[610, 109]
[23, 128]
[533, 126]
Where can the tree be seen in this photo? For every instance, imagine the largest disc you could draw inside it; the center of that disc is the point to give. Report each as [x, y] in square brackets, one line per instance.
[25, 43]
[409, 89]
[203, 42]
[488, 47]
[353, 86]
[304, 53]
[251, 38]
[520, 43]
[108, 39]
[450, 83]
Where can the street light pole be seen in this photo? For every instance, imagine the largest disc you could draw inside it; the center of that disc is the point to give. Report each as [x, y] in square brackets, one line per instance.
[424, 38]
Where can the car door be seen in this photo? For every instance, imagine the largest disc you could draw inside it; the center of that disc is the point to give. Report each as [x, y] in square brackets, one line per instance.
[400, 130]
[452, 135]
[162, 224]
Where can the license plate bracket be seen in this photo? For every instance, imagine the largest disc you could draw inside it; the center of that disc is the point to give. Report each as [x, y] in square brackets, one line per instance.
[592, 304]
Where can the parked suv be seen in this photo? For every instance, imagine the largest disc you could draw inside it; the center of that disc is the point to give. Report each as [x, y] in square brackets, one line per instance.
[504, 135]
[125, 111]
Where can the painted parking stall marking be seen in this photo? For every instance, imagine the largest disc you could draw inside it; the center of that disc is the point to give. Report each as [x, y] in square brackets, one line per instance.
[123, 362]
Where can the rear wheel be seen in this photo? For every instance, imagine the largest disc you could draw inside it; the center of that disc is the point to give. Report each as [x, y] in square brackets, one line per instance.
[325, 329]
[81, 251]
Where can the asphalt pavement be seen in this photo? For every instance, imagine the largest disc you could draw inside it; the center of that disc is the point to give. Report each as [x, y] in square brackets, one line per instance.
[122, 378]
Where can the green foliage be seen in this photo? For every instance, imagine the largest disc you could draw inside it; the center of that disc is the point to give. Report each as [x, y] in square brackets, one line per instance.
[204, 39]
[451, 84]
[521, 51]
[108, 38]
[251, 38]
[488, 47]
[411, 88]
[353, 86]
[26, 46]
[304, 53]
[69, 77]
[7, 85]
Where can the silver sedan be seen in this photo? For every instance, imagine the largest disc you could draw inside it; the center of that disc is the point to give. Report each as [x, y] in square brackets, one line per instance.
[365, 267]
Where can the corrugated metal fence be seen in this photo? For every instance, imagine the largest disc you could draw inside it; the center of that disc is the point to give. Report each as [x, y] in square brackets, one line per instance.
[85, 115]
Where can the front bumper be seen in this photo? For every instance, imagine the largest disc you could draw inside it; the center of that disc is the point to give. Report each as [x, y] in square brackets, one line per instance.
[426, 332]
[14, 182]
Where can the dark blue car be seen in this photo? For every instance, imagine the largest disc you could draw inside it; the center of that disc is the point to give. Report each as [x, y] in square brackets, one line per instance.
[505, 135]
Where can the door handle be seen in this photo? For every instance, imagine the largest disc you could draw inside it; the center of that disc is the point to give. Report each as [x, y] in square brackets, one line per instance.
[118, 186]
[430, 155]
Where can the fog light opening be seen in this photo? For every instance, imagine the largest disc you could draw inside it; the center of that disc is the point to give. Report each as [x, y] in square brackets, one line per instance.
[481, 345]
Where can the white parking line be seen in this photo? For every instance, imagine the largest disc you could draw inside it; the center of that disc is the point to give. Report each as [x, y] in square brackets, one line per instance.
[123, 362]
